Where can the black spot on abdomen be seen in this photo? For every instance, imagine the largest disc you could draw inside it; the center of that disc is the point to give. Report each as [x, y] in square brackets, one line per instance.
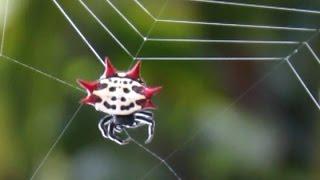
[137, 89]
[126, 90]
[141, 102]
[102, 86]
[131, 105]
[111, 89]
[109, 106]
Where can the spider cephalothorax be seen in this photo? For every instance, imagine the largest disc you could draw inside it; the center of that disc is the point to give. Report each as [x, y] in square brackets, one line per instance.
[126, 99]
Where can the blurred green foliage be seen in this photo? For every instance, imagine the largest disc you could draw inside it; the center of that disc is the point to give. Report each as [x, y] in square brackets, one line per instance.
[270, 132]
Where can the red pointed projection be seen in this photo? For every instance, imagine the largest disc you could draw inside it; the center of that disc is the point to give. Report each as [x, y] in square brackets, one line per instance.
[150, 91]
[134, 73]
[136, 84]
[109, 69]
[89, 86]
[90, 99]
[148, 104]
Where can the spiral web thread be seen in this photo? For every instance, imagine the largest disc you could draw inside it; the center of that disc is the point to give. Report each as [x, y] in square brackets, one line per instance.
[156, 19]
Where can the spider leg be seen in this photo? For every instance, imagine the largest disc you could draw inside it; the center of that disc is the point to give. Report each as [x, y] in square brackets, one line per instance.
[118, 129]
[146, 117]
[103, 124]
[115, 138]
[135, 124]
[108, 129]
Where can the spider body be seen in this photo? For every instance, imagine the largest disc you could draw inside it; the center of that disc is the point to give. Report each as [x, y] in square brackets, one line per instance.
[125, 98]
[119, 96]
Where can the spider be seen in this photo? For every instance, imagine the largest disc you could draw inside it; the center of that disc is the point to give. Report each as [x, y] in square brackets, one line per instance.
[126, 100]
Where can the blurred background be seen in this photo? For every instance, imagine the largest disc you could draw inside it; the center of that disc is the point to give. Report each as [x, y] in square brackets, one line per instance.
[225, 119]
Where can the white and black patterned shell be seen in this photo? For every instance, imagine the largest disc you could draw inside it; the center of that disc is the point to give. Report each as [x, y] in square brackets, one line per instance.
[119, 96]
[119, 93]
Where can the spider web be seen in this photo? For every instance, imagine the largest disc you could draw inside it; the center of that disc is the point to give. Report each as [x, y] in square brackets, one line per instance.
[295, 45]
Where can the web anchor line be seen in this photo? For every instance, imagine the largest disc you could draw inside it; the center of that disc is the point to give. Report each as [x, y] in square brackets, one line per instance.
[312, 52]
[301, 44]
[41, 72]
[153, 25]
[163, 161]
[125, 18]
[146, 38]
[302, 83]
[213, 58]
[78, 31]
[105, 28]
[220, 114]
[145, 10]
[249, 26]
[46, 75]
[154, 155]
[257, 6]
[287, 59]
[45, 158]
[4, 26]
[283, 59]
[223, 41]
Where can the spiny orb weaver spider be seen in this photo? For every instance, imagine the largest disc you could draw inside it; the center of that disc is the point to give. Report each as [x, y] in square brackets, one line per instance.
[125, 98]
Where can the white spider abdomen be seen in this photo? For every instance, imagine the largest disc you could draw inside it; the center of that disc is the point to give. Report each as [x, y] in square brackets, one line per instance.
[118, 96]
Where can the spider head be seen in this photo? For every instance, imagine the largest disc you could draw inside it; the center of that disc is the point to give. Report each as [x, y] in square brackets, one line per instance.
[119, 93]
